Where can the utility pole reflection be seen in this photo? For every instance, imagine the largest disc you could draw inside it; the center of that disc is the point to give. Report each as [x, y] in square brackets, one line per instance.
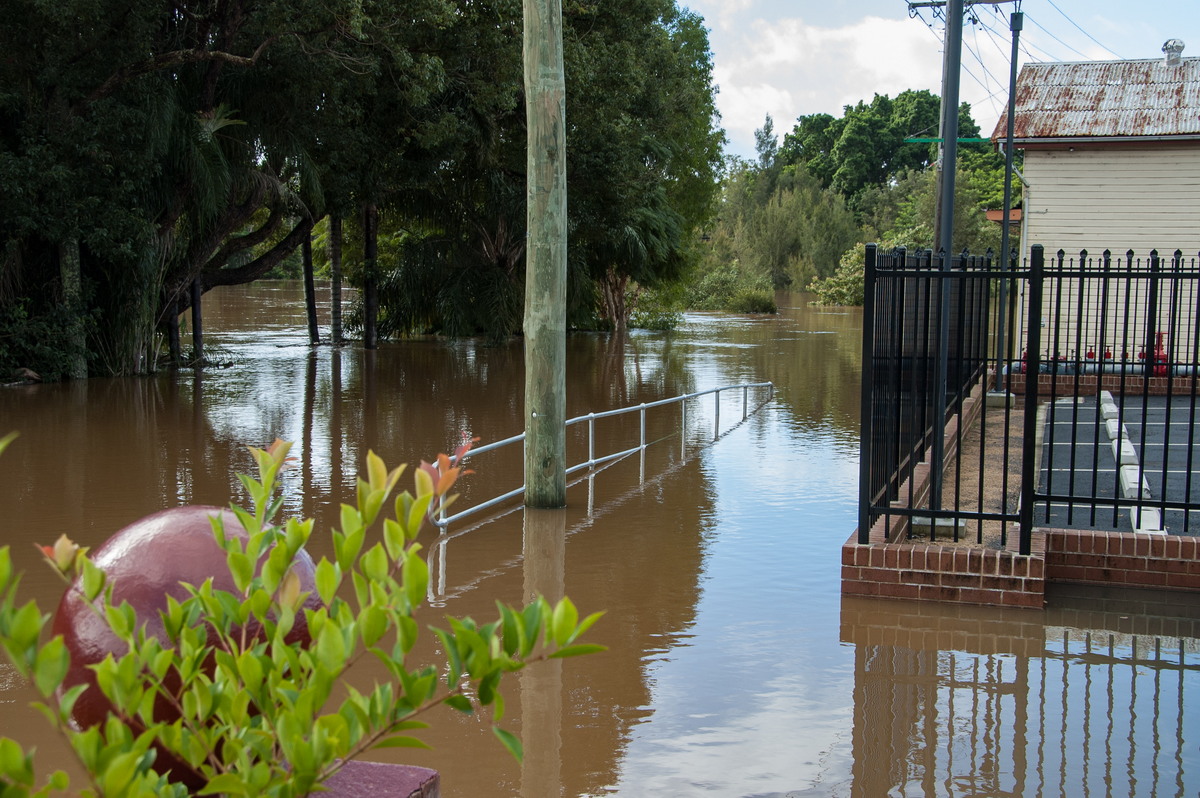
[544, 549]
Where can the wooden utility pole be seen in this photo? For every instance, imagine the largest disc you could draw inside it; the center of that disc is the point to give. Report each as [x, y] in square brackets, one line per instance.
[310, 291]
[370, 276]
[545, 257]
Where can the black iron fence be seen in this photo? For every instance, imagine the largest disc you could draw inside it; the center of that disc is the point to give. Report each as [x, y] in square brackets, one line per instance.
[1102, 350]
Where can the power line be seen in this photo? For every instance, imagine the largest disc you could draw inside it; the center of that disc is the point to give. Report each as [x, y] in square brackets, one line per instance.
[1055, 38]
[915, 11]
[992, 93]
[1081, 30]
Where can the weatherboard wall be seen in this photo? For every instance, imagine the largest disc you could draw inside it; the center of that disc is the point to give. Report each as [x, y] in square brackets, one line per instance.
[1138, 198]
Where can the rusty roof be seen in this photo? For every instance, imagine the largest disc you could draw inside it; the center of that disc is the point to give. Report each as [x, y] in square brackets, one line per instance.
[1105, 99]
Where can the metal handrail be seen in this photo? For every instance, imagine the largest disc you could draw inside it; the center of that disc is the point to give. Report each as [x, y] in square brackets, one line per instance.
[442, 520]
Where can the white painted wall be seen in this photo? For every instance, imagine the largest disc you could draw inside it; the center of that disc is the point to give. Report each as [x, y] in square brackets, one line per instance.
[1118, 199]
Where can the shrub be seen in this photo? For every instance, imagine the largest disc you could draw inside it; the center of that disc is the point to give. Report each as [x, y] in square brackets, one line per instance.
[717, 288]
[753, 300]
[844, 286]
[257, 715]
[43, 342]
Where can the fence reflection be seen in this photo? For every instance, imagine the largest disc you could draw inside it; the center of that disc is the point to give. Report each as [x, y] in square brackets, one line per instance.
[972, 701]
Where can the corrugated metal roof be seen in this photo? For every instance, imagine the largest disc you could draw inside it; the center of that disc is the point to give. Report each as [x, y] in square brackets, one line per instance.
[1106, 98]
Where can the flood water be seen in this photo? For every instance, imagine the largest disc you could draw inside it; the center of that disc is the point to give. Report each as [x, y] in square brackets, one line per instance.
[734, 668]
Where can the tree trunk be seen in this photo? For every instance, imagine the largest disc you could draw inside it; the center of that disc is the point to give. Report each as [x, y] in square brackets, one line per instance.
[335, 274]
[197, 329]
[70, 274]
[174, 346]
[612, 295]
[310, 291]
[546, 265]
[370, 271]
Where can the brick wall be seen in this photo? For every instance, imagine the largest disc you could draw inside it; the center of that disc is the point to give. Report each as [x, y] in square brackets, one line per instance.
[1091, 384]
[937, 572]
[1169, 562]
[959, 574]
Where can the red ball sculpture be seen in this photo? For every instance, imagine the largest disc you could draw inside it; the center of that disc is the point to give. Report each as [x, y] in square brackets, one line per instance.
[145, 562]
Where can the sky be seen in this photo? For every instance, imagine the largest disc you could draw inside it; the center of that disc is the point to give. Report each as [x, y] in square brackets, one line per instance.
[788, 58]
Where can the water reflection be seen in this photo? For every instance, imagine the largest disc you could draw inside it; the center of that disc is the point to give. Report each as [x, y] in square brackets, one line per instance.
[1087, 700]
[544, 548]
[734, 669]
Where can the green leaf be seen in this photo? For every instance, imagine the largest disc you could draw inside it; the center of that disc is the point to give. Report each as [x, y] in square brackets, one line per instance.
[393, 538]
[416, 513]
[452, 656]
[14, 764]
[328, 578]
[372, 624]
[415, 574]
[93, 579]
[511, 742]
[59, 781]
[407, 632]
[585, 625]
[27, 624]
[50, 667]
[251, 670]
[331, 648]
[532, 616]
[487, 687]
[229, 783]
[460, 702]
[563, 620]
[511, 629]
[6, 569]
[375, 563]
[578, 650]
[402, 741]
[241, 568]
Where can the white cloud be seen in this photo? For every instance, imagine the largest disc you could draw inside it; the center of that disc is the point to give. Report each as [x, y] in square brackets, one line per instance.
[788, 68]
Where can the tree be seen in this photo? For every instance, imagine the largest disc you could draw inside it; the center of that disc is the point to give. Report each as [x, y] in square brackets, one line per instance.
[867, 146]
[176, 145]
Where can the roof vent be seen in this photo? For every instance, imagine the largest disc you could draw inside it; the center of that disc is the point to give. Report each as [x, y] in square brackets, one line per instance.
[1174, 49]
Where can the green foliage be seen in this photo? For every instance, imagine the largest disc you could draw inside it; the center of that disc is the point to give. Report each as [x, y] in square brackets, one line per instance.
[657, 309]
[40, 341]
[191, 142]
[753, 300]
[726, 286]
[781, 224]
[866, 146]
[258, 715]
[845, 286]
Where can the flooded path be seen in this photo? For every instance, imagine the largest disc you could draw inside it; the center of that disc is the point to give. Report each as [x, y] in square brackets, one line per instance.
[735, 667]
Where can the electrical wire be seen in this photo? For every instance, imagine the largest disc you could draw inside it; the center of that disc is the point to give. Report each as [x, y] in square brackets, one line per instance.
[1081, 30]
[1047, 31]
[990, 93]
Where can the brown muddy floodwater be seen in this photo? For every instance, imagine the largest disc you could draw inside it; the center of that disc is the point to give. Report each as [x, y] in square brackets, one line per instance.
[734, 667]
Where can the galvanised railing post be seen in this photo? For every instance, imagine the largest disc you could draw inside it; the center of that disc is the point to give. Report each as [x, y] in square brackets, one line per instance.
[683, 429]
[865, 409]
[642, 444]
[591, 438]
[1033, 350]
[745, 402]
[642, 418]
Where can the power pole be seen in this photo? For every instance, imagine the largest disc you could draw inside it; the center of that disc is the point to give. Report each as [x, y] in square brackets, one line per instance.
[948, 163]
[948, 127]
[1016, 22]
[545, 257]
[944, 224]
